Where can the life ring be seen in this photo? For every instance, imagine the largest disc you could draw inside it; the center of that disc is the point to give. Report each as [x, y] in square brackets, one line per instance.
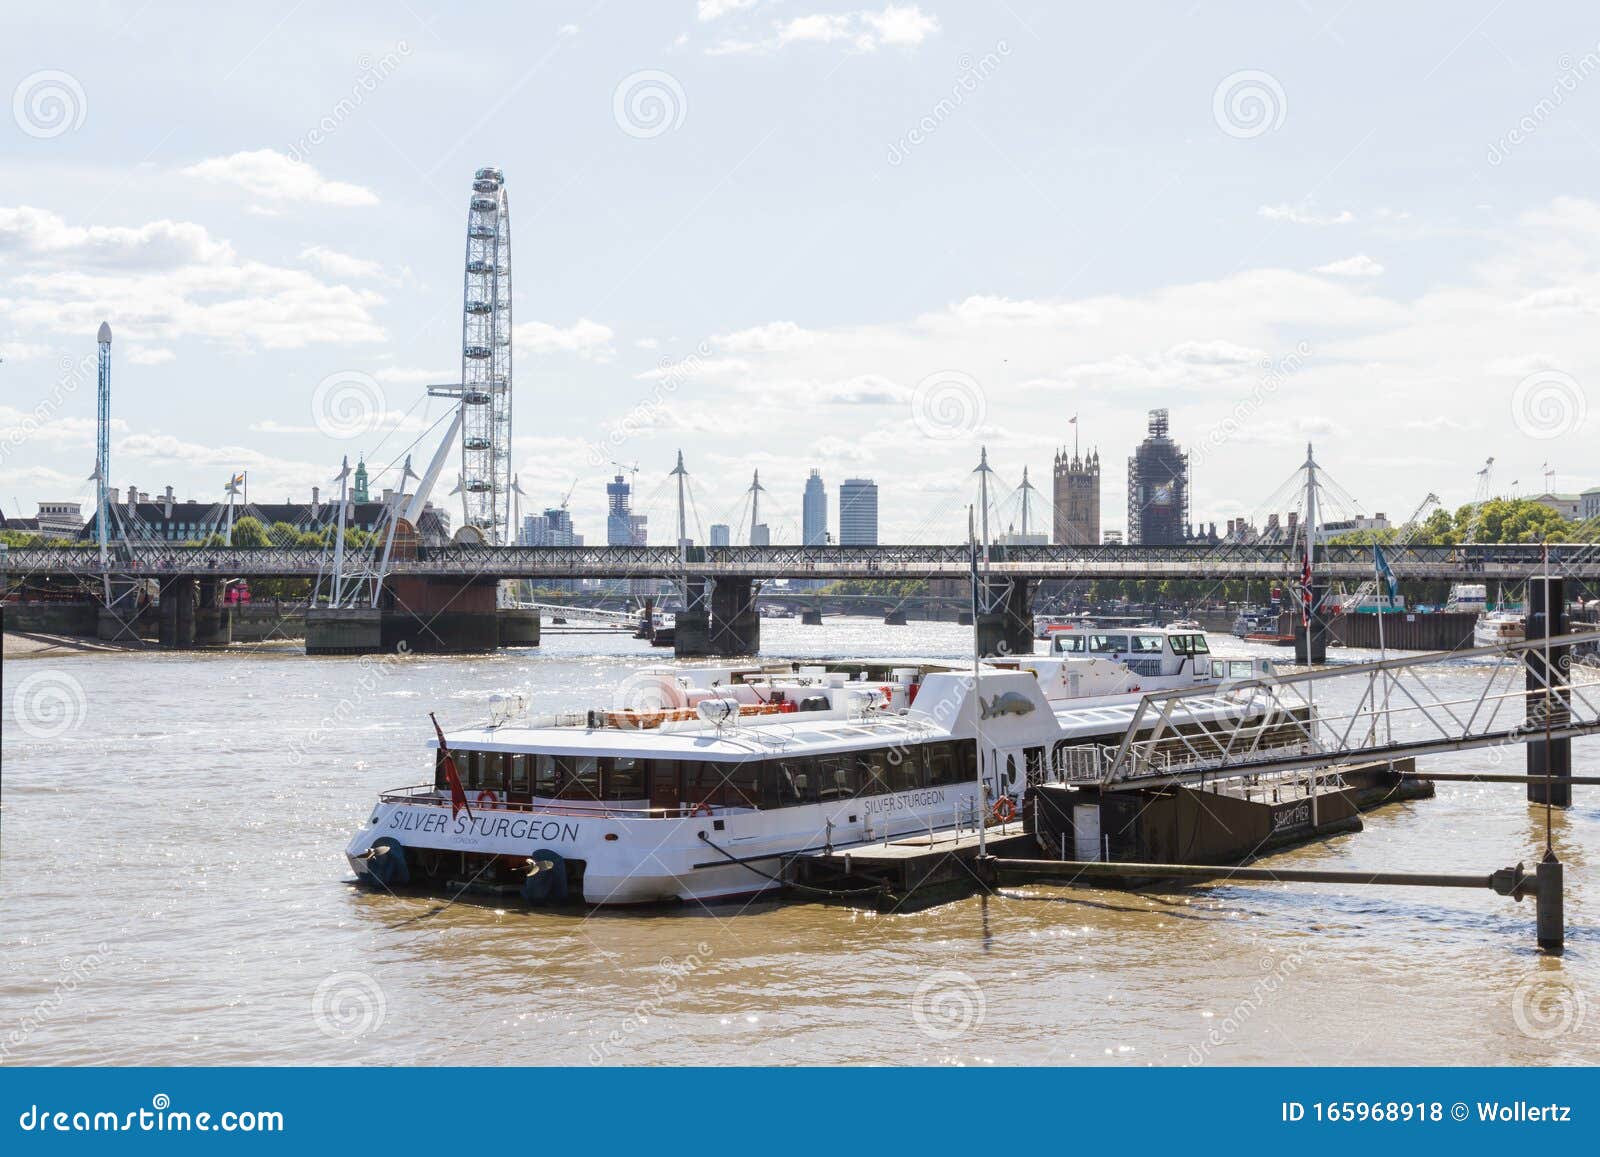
[487, 796]
[701, 809]
[1005, 810]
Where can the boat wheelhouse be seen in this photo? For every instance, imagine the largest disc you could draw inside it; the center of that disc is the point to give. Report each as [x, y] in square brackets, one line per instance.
[711, 781]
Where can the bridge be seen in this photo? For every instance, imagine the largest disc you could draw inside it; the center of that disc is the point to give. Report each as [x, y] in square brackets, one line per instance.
[443, 597]
[1104, 562]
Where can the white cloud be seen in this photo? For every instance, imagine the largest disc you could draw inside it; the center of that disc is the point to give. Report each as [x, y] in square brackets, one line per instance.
[1358, 266]
[901, 25]
[716, 9]
[277, 177]
[1304, 215]
[29, 232]
[865, 30]
[336, 264]
[779, 335]
[21, 351]
[150, 356]
[584, 338]
[164, 281]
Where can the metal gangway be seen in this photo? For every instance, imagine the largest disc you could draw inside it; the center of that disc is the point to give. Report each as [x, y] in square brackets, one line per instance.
[1391, 709]
[618, 619]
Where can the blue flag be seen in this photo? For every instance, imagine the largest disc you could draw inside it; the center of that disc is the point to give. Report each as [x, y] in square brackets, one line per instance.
[1381, 565]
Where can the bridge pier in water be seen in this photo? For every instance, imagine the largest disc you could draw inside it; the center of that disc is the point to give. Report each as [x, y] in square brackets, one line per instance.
[426, 615]
[1548, 696]
[723, 623]
[1318, 632]
[1007, 627]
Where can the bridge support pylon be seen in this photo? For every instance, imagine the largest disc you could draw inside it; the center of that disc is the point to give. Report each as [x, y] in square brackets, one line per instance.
[1007, 627]
[724, 624]
[1548, 694]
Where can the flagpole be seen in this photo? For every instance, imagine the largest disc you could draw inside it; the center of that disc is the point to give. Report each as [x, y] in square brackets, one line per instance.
[977, 693]
[1387, 587]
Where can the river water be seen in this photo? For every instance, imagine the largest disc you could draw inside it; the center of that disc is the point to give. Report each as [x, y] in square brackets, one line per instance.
[174, 893]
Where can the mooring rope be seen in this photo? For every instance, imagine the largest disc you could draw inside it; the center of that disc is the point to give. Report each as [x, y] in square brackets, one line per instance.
[879, 890]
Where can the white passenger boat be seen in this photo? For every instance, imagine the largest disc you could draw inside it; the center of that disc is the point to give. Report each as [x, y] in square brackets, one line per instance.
[714, 778]
[1499, 627]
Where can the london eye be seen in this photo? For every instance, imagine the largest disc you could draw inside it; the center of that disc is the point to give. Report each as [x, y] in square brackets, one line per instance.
[485, 390]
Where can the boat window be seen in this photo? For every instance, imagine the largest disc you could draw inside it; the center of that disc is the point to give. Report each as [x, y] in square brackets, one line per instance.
[905, 769]
[1072, 644]
[725, 784]
[578, 777]
[1148, 644]
[797, 781]
[838, 776]
[1240, 669]
[544, 775]
[1219, 669]
[1190, 645]
[521, 774]
[872, 772]
[949, 763]
[622, 777]
[1108, 644]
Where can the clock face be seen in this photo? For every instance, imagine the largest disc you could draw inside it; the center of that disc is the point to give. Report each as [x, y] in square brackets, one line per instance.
[1163, 495]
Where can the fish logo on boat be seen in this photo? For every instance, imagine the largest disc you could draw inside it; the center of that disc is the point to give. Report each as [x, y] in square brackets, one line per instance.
[1007, 703]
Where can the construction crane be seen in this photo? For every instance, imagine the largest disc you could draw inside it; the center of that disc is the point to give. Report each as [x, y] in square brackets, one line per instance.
[1408, 530]
[568, 497]
[1479, 498]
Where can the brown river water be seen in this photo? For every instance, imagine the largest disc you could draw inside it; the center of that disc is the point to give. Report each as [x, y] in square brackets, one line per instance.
[173, 892]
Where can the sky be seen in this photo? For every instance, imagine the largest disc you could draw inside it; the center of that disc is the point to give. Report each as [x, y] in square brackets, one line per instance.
[784, 234]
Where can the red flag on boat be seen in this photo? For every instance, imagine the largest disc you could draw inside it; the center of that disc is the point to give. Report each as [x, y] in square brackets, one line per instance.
[458, 795]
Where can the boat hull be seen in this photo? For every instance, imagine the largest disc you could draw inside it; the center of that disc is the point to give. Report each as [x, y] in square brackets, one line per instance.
[618, 858]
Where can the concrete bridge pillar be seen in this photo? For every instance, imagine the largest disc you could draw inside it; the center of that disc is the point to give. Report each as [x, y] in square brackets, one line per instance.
[1547, 619]
[723, 624]
[1007, 628]
[213, 622]
[1318, 631]
[735, 622]
[691, 627]
[177, 612]
[518, 627]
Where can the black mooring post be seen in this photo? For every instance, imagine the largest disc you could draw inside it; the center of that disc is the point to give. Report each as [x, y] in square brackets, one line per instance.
[1549, 917]
[1547, 672]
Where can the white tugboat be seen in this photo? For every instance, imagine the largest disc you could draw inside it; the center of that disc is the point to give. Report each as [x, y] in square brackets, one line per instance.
[715, 777]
